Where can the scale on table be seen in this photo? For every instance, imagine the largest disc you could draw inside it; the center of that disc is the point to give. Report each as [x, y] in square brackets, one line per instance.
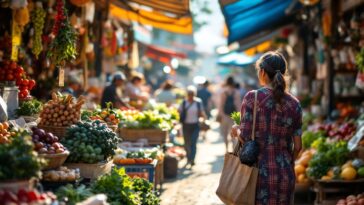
[9, 92]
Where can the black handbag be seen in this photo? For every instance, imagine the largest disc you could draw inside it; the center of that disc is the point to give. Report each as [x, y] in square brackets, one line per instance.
[250, 149]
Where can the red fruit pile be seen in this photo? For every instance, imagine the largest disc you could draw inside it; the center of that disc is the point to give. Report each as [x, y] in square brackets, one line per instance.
[46, 143]
[352, 200]
[11, 71]
[26, 197]
[344, 131]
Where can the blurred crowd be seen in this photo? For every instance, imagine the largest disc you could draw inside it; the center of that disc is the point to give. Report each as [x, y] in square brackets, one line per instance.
[217, 101]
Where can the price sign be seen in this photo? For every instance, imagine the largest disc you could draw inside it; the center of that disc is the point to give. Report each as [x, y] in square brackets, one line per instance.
[61, 77]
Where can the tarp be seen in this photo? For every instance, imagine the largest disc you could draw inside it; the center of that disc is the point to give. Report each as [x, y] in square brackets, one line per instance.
[237, 59]
[245, 18]
[178, 7]
[182, 25]
[163, 55]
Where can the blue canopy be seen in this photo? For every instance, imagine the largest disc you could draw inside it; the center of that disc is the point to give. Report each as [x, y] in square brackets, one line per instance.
[237, 59]
[245, 18]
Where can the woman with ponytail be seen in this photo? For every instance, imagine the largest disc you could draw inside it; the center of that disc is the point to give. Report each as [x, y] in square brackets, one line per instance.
[277, 131]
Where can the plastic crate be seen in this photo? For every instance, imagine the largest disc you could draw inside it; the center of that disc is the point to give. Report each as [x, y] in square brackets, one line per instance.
[146, 171]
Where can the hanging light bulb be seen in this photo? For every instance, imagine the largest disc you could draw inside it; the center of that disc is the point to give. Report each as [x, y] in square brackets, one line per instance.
[309, 2]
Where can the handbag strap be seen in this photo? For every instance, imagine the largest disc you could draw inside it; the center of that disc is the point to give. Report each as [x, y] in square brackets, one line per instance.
[254, 114]
[239, 144]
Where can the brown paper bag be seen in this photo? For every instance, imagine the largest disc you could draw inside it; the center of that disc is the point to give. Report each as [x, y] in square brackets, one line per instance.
[237, 182]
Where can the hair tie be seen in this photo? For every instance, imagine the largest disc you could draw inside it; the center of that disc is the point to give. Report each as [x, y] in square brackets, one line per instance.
[278, 71]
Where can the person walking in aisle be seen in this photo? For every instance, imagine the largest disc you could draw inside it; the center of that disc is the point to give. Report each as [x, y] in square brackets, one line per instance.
[277, 131]
[230, 101]
[191, 110]
[205, 95]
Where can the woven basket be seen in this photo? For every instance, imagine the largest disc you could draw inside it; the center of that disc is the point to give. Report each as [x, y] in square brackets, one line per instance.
[55, 160]
[60, 132]
[154, 136]
[91, 171]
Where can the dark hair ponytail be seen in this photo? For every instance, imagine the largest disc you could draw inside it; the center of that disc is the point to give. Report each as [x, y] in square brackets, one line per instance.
[279, 86]
[275, 66]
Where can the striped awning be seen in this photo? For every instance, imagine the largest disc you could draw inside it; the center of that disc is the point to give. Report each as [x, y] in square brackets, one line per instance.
[158, 19]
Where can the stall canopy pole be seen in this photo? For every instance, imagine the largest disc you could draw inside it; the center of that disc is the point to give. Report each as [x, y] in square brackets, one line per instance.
[334, 9]
[85, 44]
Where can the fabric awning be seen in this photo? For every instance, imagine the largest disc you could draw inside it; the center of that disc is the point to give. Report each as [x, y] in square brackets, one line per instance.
[237, 59]
[245, 18]
[178, 7]
[163, 55]
[157, 19]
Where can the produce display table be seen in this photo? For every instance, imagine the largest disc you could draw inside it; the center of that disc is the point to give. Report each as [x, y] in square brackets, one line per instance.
[146, 171]
[336, 188]
[154, 136]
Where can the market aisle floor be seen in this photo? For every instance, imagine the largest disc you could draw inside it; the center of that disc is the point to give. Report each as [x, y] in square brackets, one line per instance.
[198, 186]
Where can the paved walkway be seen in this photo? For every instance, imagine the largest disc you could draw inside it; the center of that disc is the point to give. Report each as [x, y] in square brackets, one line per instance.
[198, 186]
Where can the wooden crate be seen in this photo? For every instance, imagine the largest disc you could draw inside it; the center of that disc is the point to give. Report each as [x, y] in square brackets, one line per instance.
[91, 171]
[154, 136]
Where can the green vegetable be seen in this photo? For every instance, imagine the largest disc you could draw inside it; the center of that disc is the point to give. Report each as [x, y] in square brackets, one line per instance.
[29, 108]
[236, 117]
[309, 137]
[118, 187]
[90, 142]
[359, 60]
[72, 195]
[18, 158]
[361, 172]
[145, 189]
[328, 155]
[63, 46]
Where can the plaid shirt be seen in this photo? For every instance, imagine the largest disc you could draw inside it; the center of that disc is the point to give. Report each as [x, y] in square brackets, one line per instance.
[276, 126]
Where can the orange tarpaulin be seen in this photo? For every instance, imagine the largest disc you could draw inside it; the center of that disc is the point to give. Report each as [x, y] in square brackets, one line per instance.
[259, 48]
[178, 7]
[182, 25]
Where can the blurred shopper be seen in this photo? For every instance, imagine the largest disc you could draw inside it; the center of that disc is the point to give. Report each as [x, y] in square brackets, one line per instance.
[205, 95]
[134, 88]
[191, 110]
[277, 131]
[165, 93]
[113, 92]
[230, 102]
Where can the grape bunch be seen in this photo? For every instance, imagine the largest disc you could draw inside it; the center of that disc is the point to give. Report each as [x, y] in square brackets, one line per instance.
[38, 16]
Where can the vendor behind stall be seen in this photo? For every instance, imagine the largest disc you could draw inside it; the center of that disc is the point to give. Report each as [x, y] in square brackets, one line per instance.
[73, 86]
[134, 88]
[113, 92]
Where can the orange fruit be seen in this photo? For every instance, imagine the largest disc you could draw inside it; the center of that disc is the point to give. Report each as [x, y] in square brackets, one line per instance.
[112, 116]
[5, 125]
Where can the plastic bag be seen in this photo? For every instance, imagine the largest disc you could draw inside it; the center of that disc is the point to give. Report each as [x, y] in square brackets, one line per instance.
[353, 142]
[3, 110]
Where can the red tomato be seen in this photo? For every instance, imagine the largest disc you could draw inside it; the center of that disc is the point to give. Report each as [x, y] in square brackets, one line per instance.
[18, 82]
[23, 93]
[9, 77]
[18, 76]
[20, 69]
[31, 84]
[25, 82]
[13, 65]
